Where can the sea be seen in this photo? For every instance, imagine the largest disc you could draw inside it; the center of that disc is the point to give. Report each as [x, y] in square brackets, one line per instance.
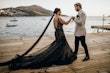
[16, 27]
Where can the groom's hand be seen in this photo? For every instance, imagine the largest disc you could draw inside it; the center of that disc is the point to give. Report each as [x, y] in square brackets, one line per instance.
[73, 17]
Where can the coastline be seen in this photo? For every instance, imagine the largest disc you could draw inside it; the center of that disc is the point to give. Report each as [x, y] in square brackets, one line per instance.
[98, 44]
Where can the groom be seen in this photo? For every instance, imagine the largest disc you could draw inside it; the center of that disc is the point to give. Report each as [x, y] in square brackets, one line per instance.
[80, 31]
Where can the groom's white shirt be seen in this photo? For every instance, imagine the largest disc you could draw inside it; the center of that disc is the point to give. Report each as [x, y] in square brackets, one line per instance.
[80, 20]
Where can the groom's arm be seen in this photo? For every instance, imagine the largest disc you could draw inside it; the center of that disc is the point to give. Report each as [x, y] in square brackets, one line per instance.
[80, 19]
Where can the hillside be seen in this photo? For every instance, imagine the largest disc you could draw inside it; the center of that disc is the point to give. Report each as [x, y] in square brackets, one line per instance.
[33, 10]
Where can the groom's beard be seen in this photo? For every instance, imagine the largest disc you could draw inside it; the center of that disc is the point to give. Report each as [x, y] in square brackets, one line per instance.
[77, 10]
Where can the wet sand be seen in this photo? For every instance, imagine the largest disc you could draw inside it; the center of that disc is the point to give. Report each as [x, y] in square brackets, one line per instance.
[98, 45]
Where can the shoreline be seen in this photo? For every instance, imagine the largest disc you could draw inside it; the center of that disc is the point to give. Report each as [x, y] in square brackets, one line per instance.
[45, 35]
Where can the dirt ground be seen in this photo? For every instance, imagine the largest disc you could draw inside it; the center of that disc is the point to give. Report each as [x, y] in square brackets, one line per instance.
[98, 45]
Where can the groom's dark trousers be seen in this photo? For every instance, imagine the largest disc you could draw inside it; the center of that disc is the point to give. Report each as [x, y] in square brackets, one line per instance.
[83, 43]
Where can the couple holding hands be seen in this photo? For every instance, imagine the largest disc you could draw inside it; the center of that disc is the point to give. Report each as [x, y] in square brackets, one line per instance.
[58, 52]
[80, 30]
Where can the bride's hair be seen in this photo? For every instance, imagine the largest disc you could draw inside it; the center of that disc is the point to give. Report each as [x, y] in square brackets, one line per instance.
[56, 10]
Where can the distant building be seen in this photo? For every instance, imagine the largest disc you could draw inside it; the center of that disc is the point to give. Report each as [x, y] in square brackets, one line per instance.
[2, 11]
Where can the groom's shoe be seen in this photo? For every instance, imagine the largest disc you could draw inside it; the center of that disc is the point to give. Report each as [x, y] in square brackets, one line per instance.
[86, 58]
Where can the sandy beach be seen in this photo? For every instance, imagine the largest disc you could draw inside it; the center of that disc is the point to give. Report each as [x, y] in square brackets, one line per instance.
[98, 45]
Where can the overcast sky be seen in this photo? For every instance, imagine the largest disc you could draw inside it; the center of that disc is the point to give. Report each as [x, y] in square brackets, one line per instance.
[91, 7]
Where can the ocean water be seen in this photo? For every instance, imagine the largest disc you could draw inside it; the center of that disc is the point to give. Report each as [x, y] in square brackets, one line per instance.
[33, 26]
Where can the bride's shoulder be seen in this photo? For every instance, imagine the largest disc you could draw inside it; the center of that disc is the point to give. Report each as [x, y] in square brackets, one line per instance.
[56, 18]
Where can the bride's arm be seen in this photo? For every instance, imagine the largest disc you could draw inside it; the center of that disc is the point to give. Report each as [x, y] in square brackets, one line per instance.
[63, 21]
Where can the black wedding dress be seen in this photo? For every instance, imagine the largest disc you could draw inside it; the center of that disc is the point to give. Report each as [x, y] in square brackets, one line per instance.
[57, 53]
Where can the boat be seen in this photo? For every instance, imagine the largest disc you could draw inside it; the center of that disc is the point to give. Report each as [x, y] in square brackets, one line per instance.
[10, 25]
[13, 20]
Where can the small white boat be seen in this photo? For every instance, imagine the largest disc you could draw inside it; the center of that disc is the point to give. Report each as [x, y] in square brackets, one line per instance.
[11, 25]
[13, 20]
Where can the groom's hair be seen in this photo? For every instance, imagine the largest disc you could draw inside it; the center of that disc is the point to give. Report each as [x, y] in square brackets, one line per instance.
[78, 4]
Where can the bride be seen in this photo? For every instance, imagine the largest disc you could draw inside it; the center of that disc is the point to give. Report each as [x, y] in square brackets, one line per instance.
[57, 53]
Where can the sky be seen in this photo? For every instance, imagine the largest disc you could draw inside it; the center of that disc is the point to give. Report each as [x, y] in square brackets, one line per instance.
[91, 7]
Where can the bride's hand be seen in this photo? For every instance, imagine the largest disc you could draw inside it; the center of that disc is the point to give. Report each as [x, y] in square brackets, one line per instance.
[71, 18]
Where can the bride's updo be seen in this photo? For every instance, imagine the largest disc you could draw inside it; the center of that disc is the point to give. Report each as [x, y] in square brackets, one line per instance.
[56, 10]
